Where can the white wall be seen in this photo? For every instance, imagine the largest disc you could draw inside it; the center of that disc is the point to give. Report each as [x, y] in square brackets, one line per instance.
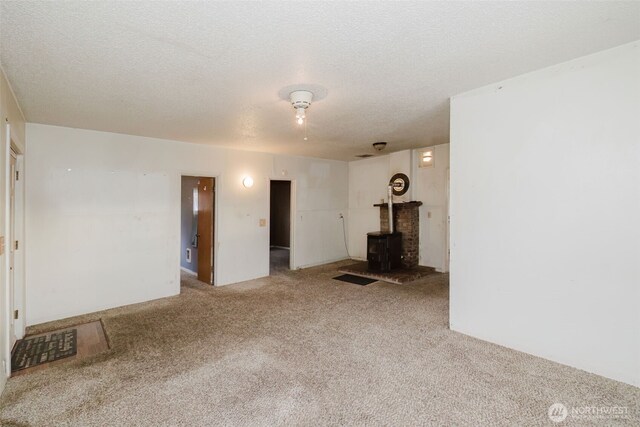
[368, 181]
[321, 196]
[103, 216]
[545, 210]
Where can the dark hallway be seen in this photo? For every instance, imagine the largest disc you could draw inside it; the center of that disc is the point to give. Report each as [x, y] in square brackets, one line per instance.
[280, 226]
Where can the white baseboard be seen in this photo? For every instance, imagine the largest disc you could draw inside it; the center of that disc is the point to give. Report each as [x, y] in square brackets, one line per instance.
[315, 264]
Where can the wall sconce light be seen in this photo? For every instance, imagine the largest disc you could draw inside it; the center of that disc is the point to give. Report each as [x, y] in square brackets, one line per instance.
[426, 158]
[247, 182]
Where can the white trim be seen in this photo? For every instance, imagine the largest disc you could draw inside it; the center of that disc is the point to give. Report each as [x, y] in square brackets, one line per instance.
[7, 293]
[447, 222]
[18, 272]
[292, 225]
[316, 264]
[292, 220]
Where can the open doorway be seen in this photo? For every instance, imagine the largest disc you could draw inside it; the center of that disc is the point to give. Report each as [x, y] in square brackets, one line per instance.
[197, 227]
[280, 226]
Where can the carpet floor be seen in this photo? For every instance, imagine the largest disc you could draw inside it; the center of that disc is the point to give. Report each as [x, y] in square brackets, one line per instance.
[278, 260]
[299, 348]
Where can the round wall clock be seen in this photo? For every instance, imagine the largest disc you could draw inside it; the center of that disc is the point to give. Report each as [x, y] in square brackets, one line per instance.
[399, 183]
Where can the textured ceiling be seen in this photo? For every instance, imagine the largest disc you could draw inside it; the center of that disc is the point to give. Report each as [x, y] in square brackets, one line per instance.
[212, 72]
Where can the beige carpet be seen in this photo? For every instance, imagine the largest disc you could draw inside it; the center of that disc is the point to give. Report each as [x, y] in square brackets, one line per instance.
[302, 349]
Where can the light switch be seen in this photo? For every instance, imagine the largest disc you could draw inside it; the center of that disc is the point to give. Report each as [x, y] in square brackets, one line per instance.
[263, 222]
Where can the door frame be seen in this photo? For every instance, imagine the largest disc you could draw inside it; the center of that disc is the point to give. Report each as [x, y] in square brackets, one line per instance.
[215, 242]
[292, 221]
[447, 218]
[19, 291]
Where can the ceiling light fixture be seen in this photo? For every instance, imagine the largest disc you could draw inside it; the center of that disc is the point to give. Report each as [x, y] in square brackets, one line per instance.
[301, 100]
[379, 146]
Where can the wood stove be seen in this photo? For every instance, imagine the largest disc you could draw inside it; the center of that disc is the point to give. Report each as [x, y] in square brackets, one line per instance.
[384, 251]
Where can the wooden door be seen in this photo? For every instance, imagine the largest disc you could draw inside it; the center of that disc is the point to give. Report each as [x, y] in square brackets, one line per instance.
[205, 229]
